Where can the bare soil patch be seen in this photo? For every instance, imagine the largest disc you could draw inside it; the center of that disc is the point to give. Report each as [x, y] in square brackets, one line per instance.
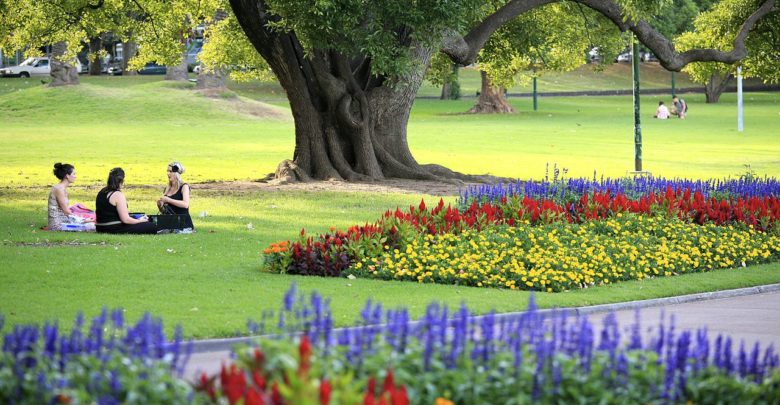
[73, 243]
[402, 186]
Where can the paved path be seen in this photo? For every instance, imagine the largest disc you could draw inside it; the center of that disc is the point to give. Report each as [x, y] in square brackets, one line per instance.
[747, 314]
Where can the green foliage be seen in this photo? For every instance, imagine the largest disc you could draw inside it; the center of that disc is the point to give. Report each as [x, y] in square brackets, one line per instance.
[164, 28]
[719, 26]
[29, 24]
[382, 31]
[546, 39]
[675, 18]
[440, 71]
[226, 48]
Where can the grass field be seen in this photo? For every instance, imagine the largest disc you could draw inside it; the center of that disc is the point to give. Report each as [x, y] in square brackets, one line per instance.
[210, 281]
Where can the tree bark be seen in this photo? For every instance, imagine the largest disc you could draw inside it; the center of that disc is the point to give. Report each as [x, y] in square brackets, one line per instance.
[178, 72]
[212, 79]
[491, 99]
[95, 60]
[129, 50]
[716, 85]
[62, 73]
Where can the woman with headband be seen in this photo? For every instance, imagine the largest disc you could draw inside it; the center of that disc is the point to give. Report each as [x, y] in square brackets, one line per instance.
[176, 197]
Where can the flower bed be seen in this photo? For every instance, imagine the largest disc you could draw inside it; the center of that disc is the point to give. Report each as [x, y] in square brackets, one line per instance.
[108, 362]
[446, 357]
[492, 239]
[557, 257]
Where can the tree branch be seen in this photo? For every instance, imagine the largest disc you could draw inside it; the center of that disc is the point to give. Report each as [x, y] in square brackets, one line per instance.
[464, 49]
[663, 48]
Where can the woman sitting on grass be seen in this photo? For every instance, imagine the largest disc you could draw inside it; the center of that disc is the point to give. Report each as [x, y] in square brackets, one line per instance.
[176, 197]
[111, 208]
[60, 216]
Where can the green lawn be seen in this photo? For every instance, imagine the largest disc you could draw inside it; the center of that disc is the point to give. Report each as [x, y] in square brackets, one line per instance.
[210, 281]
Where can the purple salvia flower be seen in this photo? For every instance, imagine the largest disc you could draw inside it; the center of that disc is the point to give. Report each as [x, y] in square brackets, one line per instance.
[753, 367]
[728, 365]
[717, 361]
[635, 342]
[289, 297]
[742, 360]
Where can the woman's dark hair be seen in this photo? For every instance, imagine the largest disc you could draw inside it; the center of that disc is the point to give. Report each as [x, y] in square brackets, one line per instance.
[115, 179]
[62, 169]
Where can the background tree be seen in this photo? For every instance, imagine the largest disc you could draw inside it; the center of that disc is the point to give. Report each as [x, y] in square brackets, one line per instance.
[676, 17]
[717, 28]
[64, 25]
[227, 53]
[165, 30]
[442, 72]
[547, 39]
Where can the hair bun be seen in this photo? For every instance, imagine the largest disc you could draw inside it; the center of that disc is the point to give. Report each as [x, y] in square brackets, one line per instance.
[179, 167]
[57, 165]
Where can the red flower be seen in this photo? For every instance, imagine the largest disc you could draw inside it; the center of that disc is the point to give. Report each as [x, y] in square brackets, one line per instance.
[325, 390]
[253, 398]
[305, 350]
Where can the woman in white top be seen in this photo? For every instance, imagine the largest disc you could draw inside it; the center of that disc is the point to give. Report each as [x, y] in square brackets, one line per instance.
[662, 112]
[58, 196]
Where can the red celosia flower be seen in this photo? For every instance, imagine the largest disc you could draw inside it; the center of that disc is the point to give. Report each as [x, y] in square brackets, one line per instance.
[253, 398]
[276, 396]
[325, 390]
[258, 379]
[304, 351]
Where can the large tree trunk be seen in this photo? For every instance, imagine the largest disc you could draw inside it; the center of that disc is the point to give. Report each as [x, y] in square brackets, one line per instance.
[62, 72]
[129, 50]
[348, 123]
[716, 85]
[95, 60]
[451, 88]
[178, 72]
[211, 79]
[491, 99]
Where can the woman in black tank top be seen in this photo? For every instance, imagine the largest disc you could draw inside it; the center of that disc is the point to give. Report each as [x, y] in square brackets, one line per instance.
[111, 209]
[176, 197]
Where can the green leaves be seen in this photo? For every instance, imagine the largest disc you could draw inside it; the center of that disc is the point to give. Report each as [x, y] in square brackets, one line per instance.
[380, 30]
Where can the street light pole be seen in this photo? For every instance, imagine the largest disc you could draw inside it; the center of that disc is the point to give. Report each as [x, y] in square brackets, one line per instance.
[637, 126]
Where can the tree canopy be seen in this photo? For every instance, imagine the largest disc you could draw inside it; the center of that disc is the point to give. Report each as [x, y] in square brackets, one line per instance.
[717, 27]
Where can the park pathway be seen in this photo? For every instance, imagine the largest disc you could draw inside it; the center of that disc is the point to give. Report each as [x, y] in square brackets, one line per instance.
[750, 315]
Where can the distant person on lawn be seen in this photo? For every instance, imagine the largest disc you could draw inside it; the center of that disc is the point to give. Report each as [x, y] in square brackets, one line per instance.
[60, 215]
[661, 112]
[680, 107]
[112, 212]
[176, 197]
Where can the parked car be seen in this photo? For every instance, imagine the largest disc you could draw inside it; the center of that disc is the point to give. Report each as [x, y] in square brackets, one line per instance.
[35, 66]
[624, 57]
[648, 57]
[30, 67]
[152, 69]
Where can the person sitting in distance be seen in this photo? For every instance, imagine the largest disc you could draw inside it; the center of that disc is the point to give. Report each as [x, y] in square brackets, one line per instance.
[112, 212]
[176, 197]
[661, 112]
[680, 108]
